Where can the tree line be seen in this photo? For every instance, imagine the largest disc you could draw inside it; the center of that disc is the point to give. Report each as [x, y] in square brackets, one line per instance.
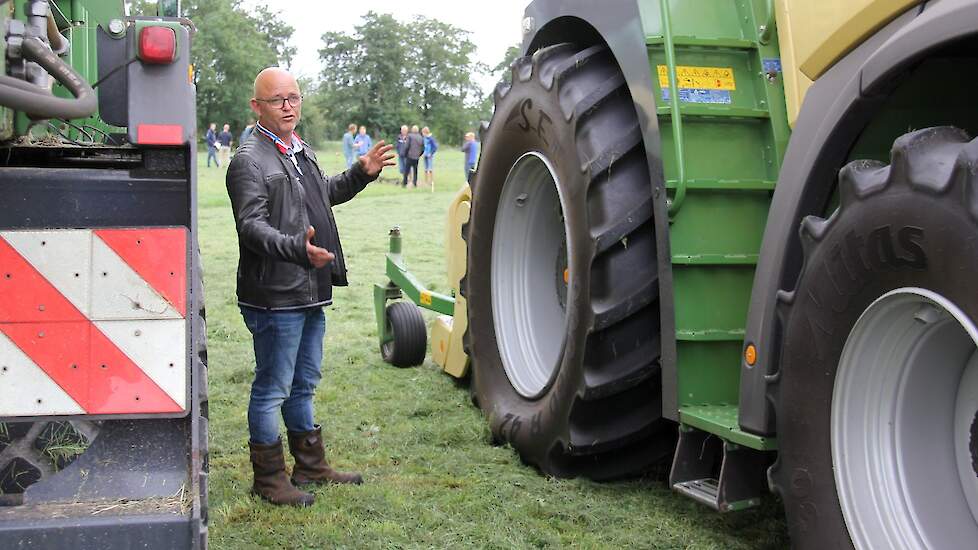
[383, 74]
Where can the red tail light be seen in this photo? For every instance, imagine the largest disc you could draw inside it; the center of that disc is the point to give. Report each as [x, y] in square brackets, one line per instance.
[157, 45]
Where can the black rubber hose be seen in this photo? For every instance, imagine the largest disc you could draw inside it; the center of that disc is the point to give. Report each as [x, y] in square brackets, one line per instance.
[38, 102]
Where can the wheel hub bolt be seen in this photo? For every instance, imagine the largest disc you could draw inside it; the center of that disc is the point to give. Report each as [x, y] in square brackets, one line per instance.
[521, 200]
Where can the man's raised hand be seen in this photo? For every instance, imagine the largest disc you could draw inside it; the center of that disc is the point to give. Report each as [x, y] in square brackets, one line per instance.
[378, 157]
[318, 257]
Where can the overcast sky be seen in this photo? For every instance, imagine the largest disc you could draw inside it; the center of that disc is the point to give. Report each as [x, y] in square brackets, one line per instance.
[494, 24]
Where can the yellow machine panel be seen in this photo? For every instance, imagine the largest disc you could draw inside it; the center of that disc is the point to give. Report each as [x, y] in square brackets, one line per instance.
[814, 35]
[447, 331]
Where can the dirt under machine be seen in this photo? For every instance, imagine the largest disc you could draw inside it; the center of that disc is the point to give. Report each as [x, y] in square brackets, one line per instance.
[103, 395]
[737, 235]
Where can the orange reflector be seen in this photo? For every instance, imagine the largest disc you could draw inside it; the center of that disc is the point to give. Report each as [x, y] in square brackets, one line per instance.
[750, 354]
[566, 275]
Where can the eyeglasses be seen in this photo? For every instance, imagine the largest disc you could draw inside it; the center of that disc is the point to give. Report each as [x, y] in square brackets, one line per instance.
[294, 101]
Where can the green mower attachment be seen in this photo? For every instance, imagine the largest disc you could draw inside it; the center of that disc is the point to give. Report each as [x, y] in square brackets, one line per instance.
[400, 327]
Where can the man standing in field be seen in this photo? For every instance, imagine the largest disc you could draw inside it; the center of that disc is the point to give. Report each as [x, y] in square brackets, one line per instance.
[363, 142]
[211, 139]
[224, 139]
[402, 146]
[289, 259]
[351, 132]
[430, 148]
[415, 147]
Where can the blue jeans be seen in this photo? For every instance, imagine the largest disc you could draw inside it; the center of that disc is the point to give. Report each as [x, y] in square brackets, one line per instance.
[288, 355]
[212, 154]
[349, 158]
[402, 164]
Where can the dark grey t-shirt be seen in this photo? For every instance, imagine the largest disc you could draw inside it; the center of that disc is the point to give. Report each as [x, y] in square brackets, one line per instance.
[325, 236]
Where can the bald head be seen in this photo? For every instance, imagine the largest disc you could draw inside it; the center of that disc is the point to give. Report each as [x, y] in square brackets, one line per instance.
[273, 77]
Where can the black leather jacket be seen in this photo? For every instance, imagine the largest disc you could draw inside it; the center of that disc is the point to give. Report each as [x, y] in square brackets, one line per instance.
[270, 216]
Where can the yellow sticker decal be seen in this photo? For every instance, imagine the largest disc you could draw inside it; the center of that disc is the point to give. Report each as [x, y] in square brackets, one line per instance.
[426, 298]
[700, 78]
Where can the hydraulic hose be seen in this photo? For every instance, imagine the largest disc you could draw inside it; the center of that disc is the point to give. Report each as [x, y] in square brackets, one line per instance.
[38, 102]
[58, 42]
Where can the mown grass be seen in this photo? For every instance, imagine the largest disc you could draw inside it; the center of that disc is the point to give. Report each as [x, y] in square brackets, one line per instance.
[433, 479]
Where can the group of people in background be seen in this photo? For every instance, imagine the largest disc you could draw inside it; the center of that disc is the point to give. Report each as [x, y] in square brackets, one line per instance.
[412, 145]
[355, 144]
[219, 143]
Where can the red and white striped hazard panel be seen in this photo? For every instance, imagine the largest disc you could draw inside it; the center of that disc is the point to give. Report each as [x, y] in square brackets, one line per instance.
[93, 322]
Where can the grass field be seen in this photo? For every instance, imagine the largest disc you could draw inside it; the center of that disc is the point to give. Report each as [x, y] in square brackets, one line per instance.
[433, 480]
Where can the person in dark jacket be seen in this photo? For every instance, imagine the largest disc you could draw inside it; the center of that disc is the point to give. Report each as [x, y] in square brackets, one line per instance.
[290, 259]
[415, 148]
[211, 139]
[224, 139]
[402, 146]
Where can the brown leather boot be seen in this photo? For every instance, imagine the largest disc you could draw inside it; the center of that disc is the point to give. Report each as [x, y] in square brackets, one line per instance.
[271, 482]
[310, 461]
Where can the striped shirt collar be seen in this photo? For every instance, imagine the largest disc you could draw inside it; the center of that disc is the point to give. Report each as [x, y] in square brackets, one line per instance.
[288, 150]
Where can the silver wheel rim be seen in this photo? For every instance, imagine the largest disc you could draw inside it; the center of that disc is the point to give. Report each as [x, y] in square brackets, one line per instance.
[903, 406]
[528, 244]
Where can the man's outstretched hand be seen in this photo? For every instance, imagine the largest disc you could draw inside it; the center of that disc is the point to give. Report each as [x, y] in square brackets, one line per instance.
[318, 257]
[378, 157]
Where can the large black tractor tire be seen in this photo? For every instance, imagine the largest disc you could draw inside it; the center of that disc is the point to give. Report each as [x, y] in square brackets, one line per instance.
[865, 305]
[410, 338]
[575, 309]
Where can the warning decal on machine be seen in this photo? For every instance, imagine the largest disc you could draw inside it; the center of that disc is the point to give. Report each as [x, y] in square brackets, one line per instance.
[93, 322]
[699, 84]
[702, 78]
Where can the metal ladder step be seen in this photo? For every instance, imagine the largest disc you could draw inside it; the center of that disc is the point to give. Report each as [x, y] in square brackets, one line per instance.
[722, 475]
[705, 491]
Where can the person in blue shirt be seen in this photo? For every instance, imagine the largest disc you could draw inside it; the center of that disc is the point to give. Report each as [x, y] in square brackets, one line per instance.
[211, 139]
[430, 148]
[363, 142]
[471, 150]
[246, 133]
[348, 139]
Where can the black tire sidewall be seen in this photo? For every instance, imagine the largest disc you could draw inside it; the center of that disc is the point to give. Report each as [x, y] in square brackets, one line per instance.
[832, 292]
[407, 326]
[528, 119]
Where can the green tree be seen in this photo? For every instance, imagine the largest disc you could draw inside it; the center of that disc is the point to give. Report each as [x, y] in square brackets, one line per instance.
[386, 74]
[511, 54]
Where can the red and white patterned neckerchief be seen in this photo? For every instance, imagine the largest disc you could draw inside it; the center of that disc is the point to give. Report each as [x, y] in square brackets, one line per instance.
[287, 150]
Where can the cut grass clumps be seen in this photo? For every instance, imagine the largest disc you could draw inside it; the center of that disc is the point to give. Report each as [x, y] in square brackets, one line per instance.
[432, 478]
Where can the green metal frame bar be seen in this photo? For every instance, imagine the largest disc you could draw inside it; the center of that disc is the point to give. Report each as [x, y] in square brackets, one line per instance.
[677, 119]
[764, 36]
[404, 284]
